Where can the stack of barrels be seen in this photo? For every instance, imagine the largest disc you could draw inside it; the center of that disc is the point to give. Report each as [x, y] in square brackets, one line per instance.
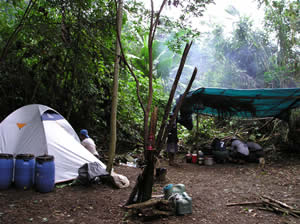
[26, 171]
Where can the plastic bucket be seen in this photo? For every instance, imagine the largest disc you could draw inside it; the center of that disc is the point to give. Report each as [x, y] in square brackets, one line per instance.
[44, 173]
[194, 158]
[200, 161]
[178, 188]
[6, 170]
[188, 158]
[183, 204]
[208, 161]
[24, 171]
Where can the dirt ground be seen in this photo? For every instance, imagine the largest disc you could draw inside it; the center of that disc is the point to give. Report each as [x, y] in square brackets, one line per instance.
[211, 188]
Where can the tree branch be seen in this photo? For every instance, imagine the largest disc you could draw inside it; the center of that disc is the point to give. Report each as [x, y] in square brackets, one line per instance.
[157, 19]
[123, 58]
[172, 93]
[178, 105]
[17, 30]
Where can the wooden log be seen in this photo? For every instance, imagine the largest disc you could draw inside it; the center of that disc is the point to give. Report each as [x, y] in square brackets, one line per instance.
[162, 213]
[283, 211]
[269, 204]
[295, 215]
[165, 207]
[296, 211]
[245, 203]
[278, 202]
[158, 196]
[149, 203]
[266, 209]
[149, 215]
[279, 207]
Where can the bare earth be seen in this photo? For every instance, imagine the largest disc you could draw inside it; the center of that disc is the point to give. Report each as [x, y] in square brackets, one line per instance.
[211, 188]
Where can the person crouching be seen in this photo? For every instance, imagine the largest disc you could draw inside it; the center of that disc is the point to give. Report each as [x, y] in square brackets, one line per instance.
[239, 151]
[88, 143]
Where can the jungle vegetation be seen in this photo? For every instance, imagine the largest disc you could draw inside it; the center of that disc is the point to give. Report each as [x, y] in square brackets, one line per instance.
[61, 53]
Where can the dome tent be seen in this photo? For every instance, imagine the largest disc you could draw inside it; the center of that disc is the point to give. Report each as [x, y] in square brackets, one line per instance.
[37, 129]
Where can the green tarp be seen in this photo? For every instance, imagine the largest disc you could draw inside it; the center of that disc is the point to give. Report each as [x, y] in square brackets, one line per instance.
[246, 103]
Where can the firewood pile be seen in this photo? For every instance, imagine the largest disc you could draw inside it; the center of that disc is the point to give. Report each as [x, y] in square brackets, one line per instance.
[269, 204]
[151, 209]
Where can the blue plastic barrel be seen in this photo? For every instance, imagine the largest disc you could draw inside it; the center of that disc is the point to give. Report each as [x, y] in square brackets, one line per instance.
[6, 170]
[24, 171]
[44, 173]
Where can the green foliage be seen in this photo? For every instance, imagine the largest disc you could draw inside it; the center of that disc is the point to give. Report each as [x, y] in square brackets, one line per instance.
[237, 61]
[130, 113]
[282, 19]
[280, 76]
[60, 57]
[191, 8]
[248, 57]
[206, 130]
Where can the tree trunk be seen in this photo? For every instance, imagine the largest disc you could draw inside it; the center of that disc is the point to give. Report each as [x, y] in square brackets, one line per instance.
[178, 105]
[162, 129]
[143, 187]
[148, 174]
[113, 118]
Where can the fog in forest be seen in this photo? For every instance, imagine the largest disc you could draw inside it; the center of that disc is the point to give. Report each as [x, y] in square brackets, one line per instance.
[237, 53]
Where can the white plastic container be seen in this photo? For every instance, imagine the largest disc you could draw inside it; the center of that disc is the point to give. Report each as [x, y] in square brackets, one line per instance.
[208, 161]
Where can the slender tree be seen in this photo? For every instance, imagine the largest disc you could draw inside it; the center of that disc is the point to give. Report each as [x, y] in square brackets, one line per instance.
[113, 118]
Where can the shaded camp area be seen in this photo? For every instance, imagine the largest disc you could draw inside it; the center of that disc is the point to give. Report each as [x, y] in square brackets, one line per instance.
[211, 188]
[244, 103]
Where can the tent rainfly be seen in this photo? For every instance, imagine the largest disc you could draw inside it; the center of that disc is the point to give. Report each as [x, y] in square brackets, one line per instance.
[39, 130]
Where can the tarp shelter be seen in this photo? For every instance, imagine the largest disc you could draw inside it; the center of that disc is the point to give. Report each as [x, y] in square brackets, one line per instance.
[246, 103]
[39, 130]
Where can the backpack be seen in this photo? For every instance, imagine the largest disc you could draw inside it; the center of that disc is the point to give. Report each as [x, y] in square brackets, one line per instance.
[218, 145]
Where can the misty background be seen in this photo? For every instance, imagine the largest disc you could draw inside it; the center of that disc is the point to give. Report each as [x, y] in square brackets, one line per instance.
[232, 48]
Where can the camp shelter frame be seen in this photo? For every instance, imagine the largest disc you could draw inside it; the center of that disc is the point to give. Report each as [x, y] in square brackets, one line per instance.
[243, 103]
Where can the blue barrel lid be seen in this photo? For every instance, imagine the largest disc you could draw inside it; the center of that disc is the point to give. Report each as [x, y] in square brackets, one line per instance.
[44, 158]
[6, 156]
[24, 156]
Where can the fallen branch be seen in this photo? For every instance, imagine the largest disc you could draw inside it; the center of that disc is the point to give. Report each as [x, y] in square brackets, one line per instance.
[267, 203]
[277, 202]
[245, 203]
[279, 211]
[151, 209]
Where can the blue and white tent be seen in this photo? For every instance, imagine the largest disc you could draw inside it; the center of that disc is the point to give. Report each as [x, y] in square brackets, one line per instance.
[39, 130]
